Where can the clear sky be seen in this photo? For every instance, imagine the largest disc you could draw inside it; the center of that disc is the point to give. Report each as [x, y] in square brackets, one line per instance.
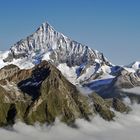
[110, 26]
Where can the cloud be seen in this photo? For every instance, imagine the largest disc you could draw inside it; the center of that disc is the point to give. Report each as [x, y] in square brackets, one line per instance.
[135, 90]
[125, 127]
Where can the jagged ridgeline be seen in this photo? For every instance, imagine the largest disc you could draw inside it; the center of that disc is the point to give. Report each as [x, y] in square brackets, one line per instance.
[47, 43]
[42, 94]
[80, 64]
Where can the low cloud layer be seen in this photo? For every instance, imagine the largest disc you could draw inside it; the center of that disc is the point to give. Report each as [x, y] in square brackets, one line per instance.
[125, 127]
[135, 90]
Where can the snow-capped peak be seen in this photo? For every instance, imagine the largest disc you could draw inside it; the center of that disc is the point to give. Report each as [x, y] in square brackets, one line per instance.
[76, 61]
[47, 43]
[135, 65]
[80, 64]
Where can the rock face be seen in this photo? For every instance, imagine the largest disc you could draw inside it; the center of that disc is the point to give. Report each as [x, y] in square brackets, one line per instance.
[118, 105]
[57, 97]
[8, 71]
[13, 104]
[123, 79]
[42, 93]
[102, 107]
[126, 79]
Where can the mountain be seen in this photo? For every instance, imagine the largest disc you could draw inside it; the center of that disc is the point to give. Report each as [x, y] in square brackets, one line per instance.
[42, 94]
[47, 43]
[83, 63]
[123, 80]
[135, 65]
[23, 69]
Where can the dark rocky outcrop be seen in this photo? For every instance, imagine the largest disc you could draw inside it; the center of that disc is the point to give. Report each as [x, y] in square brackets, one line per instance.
[102, 107]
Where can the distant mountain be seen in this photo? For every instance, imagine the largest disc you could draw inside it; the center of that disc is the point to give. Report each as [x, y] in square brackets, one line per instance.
[47, 43]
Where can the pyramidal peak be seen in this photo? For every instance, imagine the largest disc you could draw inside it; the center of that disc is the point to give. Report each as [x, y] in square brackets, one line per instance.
[135, 65]
[48, 44]
[46, 28]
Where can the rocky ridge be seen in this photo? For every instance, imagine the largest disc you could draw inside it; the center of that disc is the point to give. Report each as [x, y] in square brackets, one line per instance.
[42, 94]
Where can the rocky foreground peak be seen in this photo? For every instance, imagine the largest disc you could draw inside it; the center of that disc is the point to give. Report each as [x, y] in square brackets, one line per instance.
[42, 94]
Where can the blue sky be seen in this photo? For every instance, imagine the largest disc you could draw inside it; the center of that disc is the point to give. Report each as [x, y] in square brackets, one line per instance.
[110, 26]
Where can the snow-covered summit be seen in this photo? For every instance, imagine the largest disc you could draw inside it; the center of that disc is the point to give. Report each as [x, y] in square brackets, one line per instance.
[46, 43]
[135, 65]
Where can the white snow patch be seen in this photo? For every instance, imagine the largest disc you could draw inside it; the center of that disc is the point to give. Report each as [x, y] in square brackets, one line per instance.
[106, 69]
[130, 69]
[134, 65]
[68, 72]
[89, 71]
[23, 63]
[3, 55]
[46, 56]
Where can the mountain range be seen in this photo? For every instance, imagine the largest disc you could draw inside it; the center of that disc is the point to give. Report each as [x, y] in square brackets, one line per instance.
[48, 75]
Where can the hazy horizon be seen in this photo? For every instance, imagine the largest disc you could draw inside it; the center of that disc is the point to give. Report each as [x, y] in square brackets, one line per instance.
[111, 27]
